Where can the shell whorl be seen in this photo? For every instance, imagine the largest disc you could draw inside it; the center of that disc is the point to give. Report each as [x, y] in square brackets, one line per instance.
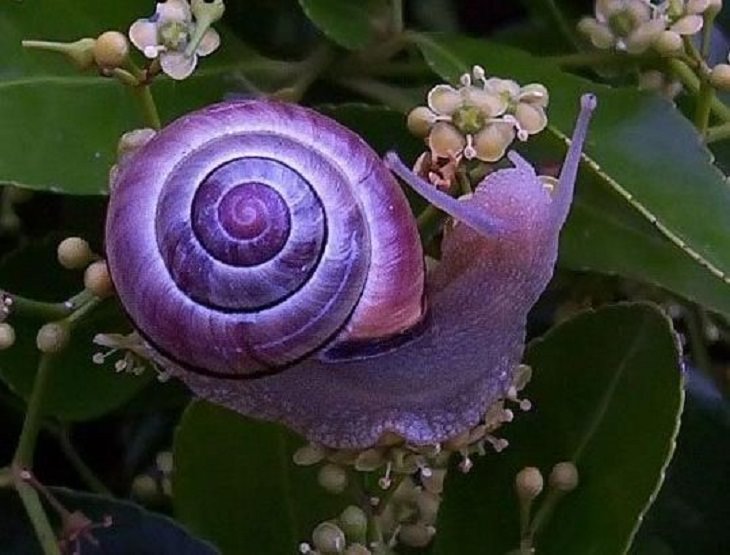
[251, 234]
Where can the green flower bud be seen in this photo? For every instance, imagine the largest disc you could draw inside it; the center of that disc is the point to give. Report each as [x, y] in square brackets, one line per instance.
[52, 337]
[329, 538]
[79, 53]
[354, 523]
[564, 477]
[333, 478]
[668, 43]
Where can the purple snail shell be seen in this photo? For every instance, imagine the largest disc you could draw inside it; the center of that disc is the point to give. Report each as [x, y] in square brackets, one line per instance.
[270, 260]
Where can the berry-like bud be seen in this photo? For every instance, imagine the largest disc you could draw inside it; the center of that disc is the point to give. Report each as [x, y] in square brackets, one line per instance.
[564, 477]
[528, 483]
[144, 487]
[435, 482]
[74, 253]
[333, 478]
[7, 336]
[97, 279]
[354, 523]
[668, 43]
[720, 77]
[328, 538]
[416, 535]
[52, 337]
[111, 50]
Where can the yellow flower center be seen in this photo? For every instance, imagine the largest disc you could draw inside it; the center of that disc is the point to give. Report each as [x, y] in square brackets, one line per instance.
[468, 119]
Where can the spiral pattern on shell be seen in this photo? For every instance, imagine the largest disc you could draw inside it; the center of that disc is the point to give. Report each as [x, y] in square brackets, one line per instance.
[251, 234]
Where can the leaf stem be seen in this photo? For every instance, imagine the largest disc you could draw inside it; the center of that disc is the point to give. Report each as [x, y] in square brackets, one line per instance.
[149, 108]
[397, 16]
[562, 23]
[689, 79]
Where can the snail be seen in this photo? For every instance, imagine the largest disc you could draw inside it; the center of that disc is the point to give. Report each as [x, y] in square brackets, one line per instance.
[269, 258]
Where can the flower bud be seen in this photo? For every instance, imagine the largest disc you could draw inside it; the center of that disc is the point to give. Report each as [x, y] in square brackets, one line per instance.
[97, 279]
[328, 538]
[668, 43]
[111, 50]
[74, 253]
[416, 535]
[435, 482]
[357, 549]
[528, 483]
[52, 337]
[79, 53]
[564, 477]
[333, 478]
[428, 506]
[7, 336]
[720, 77]
[309, 455]
[144, 487]
[354, 523]
[420, 120]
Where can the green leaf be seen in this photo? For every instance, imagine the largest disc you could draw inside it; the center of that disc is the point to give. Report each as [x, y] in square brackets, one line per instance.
[644, 155]
[607, 394]
[236, 485]
[349, 24]
[60, 127]
[133, 530]
[78, 388]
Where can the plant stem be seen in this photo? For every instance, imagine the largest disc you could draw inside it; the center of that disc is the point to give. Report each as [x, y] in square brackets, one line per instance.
[695, 331]
[34, 509]
[397, 17]
[590, 58]
[562, 24]
[704, 107]
[39, 309]
[542, 515]
[689, 79]
[83, 470]
[6, 478]
[34, 415]
[149, 108]
[393, 97]
[718, 132]
[309, 71]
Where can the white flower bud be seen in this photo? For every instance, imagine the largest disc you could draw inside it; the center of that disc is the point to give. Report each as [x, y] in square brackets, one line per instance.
[309, 455]
[7, 336]
[328, 538]
[74, 253]
[668, 43]
[333, 478]
[52, 337]
[416, 535]
[564, 477]
[528, 483]
[354, 523]
[97, 279]
[720, 77]
[111, 50]
[357, 549]
[445, 140]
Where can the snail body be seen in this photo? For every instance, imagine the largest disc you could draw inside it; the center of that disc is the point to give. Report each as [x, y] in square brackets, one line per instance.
[271, 261]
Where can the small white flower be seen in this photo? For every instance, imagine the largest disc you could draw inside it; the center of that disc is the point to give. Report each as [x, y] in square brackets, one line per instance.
[168, 34]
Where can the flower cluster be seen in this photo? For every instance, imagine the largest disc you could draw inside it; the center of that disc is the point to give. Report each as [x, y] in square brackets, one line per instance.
[177, 34]
[479, 119]
[635, 26]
